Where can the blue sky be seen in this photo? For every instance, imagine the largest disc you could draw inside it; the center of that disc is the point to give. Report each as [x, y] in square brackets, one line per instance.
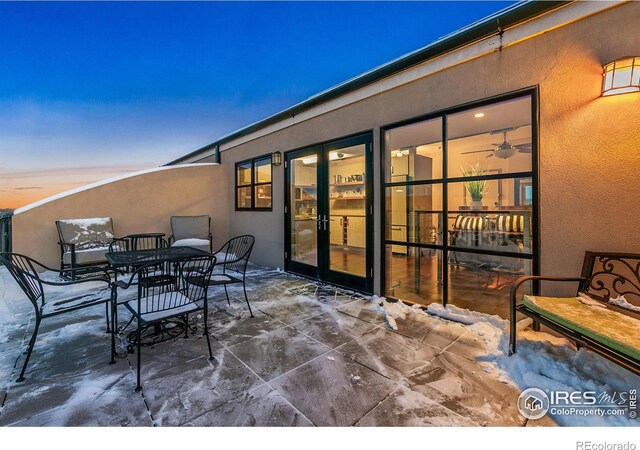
[89, 90]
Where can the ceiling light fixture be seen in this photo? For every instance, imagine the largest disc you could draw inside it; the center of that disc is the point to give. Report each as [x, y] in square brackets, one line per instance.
[309, 160]
[478, 115]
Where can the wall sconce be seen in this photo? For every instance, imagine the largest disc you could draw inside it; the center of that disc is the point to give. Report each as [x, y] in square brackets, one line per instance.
[621, 76]
[276, 158]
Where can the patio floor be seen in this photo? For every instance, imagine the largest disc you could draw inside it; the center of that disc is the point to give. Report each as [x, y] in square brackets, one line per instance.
[312, 356]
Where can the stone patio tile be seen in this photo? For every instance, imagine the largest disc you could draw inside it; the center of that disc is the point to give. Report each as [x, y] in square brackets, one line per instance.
[233, 328]
[406, 408]
[466, 388]
[333, 328]
[470, 345]
[171, 354]
[307, 288]
[295, 309]
[260, 407]
[429, 330]
[76, 342]
[363, 310]
[389, 354]
[93, 405]
[261, 292]
[333, 390]
[278, 352]
[180, 394]
[34, 396]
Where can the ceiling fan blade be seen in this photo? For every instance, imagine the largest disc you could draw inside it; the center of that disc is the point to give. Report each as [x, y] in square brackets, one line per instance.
[477, 151]
[504, 130]
[523, 148]
[489, 156]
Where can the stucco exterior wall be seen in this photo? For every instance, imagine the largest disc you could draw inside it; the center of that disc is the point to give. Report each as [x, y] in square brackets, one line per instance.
[138, 204]
[589, 146]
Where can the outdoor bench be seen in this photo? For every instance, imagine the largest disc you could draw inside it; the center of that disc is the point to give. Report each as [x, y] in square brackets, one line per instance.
[601, 318]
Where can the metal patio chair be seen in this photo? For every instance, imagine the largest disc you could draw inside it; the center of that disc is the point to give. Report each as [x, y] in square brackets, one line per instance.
[158, 304]
[233, 257]
[154, 276]
[191, 231]
[23, 269]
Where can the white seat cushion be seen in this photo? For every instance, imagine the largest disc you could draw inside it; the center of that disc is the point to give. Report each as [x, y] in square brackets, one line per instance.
[161, 306]
[200, 244]
[220, 277]
[101, 293]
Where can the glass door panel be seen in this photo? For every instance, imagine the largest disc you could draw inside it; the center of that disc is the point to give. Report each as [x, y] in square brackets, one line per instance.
[347, 210]
[328, 230]
[303, 218]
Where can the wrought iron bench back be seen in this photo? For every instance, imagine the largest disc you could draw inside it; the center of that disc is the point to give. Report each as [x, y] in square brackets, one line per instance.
[609, 275]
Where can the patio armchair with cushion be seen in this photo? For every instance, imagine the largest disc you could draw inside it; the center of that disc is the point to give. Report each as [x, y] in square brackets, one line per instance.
[158, 304]
[191, 231]
[600, 317]
[83, 244]
[23, 270]
[233, 258]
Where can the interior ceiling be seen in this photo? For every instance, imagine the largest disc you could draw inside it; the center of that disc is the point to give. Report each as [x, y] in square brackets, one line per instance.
[498, 116]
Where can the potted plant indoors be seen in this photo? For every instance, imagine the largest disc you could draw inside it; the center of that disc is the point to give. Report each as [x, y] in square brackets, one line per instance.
[476, 188]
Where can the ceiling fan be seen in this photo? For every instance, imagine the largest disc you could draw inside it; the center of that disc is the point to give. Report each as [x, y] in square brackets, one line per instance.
[505, 149]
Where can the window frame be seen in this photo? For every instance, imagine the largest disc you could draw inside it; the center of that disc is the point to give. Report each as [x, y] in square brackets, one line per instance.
[253, 184]
[445, 181]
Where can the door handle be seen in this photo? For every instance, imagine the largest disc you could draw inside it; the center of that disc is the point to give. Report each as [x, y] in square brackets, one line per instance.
[324, 221]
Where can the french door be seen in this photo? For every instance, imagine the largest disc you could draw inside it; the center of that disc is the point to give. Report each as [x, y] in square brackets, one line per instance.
[329, 212]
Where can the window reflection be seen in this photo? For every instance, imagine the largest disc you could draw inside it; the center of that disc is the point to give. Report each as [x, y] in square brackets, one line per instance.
[414, 152]
[414, 213]
[487, 225]
[482, 282]
[501, 221]
[494, 138]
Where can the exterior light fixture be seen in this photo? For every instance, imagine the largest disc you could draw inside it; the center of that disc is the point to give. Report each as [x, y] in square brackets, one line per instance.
[478, 115]
[621, 76]
[276, 158]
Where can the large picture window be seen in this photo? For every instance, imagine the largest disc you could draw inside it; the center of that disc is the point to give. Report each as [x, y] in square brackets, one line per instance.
[253, 184]
[460, 199]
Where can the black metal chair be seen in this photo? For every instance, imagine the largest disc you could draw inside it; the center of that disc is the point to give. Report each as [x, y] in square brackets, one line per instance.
[158, 303]
[23, 270]
[233, 257]
[153, 276]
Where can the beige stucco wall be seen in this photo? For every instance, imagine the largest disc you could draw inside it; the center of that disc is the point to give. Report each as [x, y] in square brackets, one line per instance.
[589, 146]
[138, 204]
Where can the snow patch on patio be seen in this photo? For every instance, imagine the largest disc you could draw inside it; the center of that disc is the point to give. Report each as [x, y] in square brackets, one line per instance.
[542, 360]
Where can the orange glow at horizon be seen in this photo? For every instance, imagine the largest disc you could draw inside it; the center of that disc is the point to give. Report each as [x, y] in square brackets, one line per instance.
[21, 188]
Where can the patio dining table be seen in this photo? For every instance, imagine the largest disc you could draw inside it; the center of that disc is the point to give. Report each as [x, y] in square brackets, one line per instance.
[136, 259]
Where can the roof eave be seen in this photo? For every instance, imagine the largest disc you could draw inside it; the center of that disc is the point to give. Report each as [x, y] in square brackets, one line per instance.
[482, 29]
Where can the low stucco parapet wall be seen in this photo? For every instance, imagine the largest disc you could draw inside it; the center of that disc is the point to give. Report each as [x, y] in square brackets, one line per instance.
[141, 202]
